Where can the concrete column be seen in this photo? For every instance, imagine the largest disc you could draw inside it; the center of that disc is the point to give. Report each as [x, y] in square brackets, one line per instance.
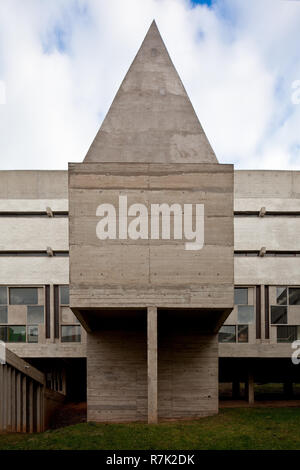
[13, 400]
[42, 408]
[52, 340]
[18, 402]
[24, 404]
[4, 398]
[250, 388]
[31, 406]
[8, 398]
[152, 363]
[38, 409]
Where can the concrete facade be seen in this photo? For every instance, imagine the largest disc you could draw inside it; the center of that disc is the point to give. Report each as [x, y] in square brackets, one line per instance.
[152, 151]
[253, 190]
[151, 312]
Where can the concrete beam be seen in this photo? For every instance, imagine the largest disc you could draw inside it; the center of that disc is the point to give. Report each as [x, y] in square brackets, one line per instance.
[152, 363]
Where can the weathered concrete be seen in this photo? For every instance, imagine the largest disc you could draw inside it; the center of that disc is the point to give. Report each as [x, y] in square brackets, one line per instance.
[33, 184]
[151, 118]
[20, 384]
[130, 273]
[152, 149]
[19, 234]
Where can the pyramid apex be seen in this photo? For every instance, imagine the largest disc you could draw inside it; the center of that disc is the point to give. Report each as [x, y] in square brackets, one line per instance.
[151, 119]
[153, 25]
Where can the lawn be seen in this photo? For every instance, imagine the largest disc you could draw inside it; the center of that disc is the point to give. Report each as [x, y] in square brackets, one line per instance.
[239, 428]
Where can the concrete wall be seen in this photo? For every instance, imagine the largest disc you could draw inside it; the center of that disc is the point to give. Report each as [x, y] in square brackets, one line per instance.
[18, 233]
[187, 374]
[117, 375]
[33, 184]
[22, 191]
[150, 272]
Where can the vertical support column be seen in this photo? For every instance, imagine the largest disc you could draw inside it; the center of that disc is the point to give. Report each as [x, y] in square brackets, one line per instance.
[30, 406]
[4, 398]
[38, 408]
[152, 363]
[13, 400]
[18, 402]
[250, 388]
[24, 404]
[42, 408]
[267, 319]
[262, 309]
[8, 398]
[56, 312]
[258, 311]
[47, 312]
[52, 313]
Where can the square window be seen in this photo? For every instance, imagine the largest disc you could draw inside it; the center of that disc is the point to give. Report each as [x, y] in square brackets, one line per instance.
[23, 296]
[35, 315]
[3, 295]
[70, 334]
[64, 295]
[243, 333]
[3, 333]
[278, 315]
[294, 295]
[227, 334]
[3, 314]
[32, 334]
[281, 295]
[245, 314]
[241, 296]
[16, 334]
[286, 334]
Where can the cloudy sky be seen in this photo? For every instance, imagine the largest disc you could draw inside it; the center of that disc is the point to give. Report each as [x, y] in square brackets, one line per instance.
[62, 61]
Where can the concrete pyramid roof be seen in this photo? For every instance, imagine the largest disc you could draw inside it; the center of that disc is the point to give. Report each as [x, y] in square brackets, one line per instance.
[151, 118]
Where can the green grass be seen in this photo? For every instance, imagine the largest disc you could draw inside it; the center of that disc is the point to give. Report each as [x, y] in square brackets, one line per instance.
[239, 428]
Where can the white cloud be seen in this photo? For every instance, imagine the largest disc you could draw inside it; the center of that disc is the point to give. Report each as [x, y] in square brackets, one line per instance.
[62, 63]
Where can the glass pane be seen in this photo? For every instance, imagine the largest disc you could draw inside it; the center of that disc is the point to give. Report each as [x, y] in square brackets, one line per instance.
[3, 295]
[32, 334]
[3, 333]
[70, 334]
[23, 296]
[16, 334]
[294, 295]
[286, 334]
[243, 333]
[241, 296]
[281, 295]
[64, 295]
[227, 334]
[278, 315]
[3, 314]
[245, 314]
[35, 315]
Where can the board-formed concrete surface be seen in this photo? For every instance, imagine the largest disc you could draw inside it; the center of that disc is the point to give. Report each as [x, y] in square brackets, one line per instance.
[152, 152]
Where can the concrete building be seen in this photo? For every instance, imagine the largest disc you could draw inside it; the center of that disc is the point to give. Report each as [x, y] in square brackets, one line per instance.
[120, 302]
